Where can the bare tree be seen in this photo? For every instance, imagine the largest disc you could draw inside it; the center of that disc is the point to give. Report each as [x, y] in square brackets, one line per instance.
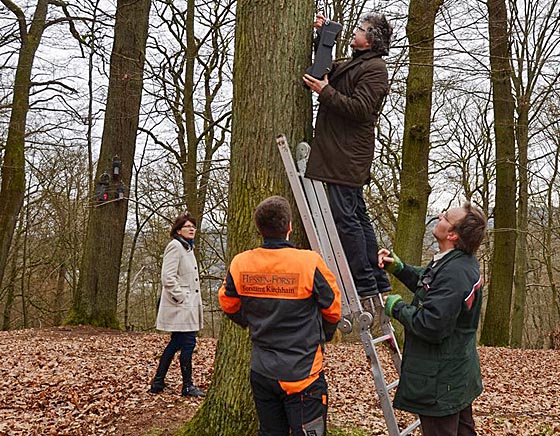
[536, 40]
[13, 165]
[496, 327]
[415, 189]
[188, 73]
[96, 299]
[268, 99]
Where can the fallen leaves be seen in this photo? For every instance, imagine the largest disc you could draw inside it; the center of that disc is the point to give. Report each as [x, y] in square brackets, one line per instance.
[85, 381]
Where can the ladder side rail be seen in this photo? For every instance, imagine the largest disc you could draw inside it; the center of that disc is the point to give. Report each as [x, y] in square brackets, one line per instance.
[396, 355]
[328, 229]
[380, 384]
[303, 199]
[353, 298]
[324, 238]
[299, 195]
[387, 329]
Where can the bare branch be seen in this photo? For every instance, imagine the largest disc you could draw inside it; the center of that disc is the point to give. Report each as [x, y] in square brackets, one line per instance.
[20, 17]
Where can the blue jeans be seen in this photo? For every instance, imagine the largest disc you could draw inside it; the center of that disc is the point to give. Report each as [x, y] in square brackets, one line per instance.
[358, 238]
[184, 341]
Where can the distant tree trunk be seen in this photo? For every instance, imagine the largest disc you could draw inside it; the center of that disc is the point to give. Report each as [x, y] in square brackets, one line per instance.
[7, 314]
[190, 176]
[10, 286]
[551, 224]
[12, 190]
[96, 298]
[268, 99]
[536, 38]
[59, 294]
[497, 318]
[521, 256]
[415, 189]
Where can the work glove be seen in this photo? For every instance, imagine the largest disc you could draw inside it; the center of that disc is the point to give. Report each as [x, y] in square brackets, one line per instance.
[390, 303]
[396, 266]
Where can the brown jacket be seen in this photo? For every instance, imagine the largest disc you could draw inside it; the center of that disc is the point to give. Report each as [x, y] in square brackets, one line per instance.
[342, 150]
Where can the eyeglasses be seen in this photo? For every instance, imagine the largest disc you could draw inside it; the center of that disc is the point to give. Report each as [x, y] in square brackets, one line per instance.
[361, 29]
[445, 216]
[190, 227]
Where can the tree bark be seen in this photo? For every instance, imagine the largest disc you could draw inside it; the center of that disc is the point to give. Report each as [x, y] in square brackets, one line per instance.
[59, 294]
[12, 190]
[96, 299]
[268, 99]
[496, 329]
[521, 255]
[415, 189]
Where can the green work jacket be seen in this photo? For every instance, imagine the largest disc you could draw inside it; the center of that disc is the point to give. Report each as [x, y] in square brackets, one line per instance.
[440, 373]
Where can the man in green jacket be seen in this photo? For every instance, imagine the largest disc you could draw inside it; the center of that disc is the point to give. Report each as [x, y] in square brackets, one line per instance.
[440, 373]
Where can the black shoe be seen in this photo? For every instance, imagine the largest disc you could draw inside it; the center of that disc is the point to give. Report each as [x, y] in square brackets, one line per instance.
[192, 391]
[367, 293]
[156, 388]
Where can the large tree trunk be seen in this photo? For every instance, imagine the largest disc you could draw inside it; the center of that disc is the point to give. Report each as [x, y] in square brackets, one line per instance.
[95, 302]
[497, 318]
[13, 167]
[415, 189]
[268, 99]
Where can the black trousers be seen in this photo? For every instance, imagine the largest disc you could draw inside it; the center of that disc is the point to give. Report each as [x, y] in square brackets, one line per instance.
[458, 424]
[305, 412]
[358, 238]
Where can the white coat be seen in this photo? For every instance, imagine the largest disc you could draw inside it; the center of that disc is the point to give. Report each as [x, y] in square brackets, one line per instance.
[180, 307]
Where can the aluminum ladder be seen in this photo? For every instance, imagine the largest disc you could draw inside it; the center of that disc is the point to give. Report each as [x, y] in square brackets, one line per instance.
[313, 206]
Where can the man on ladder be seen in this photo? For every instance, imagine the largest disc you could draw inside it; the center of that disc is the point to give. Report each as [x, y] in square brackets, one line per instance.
[350, 99]
[339, 228]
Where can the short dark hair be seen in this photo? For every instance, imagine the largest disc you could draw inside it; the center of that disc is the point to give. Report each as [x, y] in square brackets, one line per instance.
[378, 32]
[180, 222]
[471, 229]
[273, 216]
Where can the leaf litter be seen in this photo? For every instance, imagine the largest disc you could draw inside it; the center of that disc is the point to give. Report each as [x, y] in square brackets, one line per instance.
[84, 381]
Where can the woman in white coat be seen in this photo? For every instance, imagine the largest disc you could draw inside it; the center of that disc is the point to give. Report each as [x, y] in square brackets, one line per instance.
[180, 307]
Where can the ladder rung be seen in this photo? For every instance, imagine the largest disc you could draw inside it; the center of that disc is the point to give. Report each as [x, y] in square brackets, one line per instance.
[382, 339]
[410, 428]
[393, 384]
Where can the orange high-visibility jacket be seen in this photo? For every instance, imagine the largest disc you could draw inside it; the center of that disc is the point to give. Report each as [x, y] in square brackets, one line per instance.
[290, 301]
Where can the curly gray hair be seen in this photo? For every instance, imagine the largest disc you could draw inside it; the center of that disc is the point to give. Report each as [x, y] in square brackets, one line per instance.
[379, 31]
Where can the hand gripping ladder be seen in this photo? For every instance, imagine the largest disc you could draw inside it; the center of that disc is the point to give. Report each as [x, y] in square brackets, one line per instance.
[313, 206]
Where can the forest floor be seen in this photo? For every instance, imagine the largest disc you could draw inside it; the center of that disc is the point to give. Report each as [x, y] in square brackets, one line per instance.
[87, 381]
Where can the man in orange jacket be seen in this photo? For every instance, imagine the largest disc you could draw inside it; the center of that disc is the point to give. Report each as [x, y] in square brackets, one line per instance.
[290, 301]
